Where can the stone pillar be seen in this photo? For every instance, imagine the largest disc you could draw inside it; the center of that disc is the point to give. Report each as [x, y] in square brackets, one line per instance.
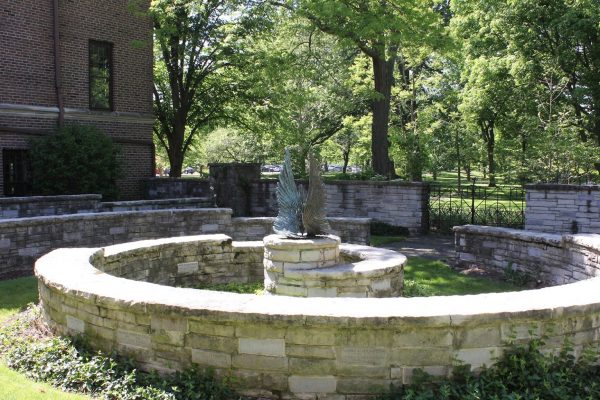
[286, 256]
[232, 185]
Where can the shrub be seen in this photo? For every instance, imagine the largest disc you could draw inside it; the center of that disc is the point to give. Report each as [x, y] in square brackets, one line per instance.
[75, 159]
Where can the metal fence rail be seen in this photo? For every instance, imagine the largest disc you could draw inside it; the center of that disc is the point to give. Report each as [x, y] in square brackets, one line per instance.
[471, 204]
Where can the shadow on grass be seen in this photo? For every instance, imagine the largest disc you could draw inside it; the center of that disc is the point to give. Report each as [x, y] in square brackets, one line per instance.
[15, 294]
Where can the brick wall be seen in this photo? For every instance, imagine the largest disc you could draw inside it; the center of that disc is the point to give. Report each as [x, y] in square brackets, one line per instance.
[563, 208]
[28, 105]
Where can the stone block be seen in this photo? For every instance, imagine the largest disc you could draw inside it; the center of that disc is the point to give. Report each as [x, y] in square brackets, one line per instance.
[322, 292]
[168, 323]
[134, 339]
[75, 324]
[362, 355]
[256, 331]
[312, 384]
[310, 336]
[258, 362]
[265, 347]
[211, 358]
[217, 343]
[310, 352]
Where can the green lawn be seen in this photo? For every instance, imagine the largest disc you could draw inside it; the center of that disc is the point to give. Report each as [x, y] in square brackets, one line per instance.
[15, 294]
[441, 280]
[15, 386]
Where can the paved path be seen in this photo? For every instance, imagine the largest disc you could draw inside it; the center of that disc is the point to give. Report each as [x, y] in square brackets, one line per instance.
[440, 247]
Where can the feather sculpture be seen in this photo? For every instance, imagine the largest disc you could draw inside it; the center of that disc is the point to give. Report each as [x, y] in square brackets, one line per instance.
[289, 217]
[314, 215]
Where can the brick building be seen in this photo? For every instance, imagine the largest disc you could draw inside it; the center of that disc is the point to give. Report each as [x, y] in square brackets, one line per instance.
[104, 78]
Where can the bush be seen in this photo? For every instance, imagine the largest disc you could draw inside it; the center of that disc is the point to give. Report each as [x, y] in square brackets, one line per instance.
[76, 159]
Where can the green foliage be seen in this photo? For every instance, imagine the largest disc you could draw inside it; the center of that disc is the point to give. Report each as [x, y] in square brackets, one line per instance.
[71, 366]
[523, 372]
[76, 159]
[414, 288]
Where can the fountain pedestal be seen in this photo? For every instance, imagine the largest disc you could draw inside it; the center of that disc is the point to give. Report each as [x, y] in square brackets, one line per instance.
[314, 268]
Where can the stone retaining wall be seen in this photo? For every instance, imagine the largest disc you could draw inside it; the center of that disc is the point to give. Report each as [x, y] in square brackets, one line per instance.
[172, 188]
[550, 259]
[22, 240]
[35, 206]
[563, 208]
[307, 348]
[404, 204]
[350, 230]
[187, 261]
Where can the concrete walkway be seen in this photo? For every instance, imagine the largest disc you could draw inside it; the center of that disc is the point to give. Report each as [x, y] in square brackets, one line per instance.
[439, 247]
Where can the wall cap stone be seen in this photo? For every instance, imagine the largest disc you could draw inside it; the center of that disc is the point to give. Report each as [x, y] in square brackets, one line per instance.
[49, 199]
[562, 187]
[527, 236]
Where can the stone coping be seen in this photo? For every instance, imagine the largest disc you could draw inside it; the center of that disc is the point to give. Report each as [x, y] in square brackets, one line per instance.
[49, 199]
[107, 215]
[354, 182]
[353, 220]
[283, 243]
[509, 233]
[130, 203]
[562, 187]
[70, 270]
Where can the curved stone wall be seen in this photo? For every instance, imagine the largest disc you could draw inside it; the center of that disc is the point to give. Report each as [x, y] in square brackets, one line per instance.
[278, 346]
[548, 258]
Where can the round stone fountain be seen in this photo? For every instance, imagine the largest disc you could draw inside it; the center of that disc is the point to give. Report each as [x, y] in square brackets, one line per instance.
[315, 267]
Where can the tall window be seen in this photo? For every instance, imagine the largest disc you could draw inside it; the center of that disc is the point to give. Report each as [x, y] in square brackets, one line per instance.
[100, 75]
[17, 174]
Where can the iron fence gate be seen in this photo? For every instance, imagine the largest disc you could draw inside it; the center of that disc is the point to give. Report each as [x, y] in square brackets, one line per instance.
[472, 204]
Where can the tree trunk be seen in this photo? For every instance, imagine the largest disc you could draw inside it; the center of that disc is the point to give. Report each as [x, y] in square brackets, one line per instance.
[490, 142]
[175, 150]
[458, 160]
[346, 157]
[382, 73]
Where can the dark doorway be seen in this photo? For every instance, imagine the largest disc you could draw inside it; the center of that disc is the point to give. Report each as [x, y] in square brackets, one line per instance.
[17, 172]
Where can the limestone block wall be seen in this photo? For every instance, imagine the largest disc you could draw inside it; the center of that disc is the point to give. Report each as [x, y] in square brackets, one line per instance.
[185, 261]
[350, 230]
[402, 204]
[563, 208]
[551, 259]
[34, 206]
[22, 240]
[172, 188]
[299, 348]
[25, 239]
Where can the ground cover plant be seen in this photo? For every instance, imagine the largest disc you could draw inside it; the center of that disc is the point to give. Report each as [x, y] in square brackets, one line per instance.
[28, 347]
[523, 372]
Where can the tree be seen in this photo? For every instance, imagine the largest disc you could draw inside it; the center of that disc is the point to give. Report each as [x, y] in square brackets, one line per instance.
[380, 29]
[195, 43]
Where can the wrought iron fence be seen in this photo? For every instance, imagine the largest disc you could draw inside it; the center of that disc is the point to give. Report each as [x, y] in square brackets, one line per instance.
[472, 204]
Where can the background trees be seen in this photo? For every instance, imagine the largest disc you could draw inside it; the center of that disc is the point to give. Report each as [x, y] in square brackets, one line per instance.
[503, 88]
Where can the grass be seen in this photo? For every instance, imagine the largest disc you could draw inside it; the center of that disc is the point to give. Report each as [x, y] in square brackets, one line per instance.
[441, 280]
[15, 386]
[15, 294]
[378, 241]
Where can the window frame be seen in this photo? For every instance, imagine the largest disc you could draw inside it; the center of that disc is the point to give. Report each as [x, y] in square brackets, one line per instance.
[109, 51]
